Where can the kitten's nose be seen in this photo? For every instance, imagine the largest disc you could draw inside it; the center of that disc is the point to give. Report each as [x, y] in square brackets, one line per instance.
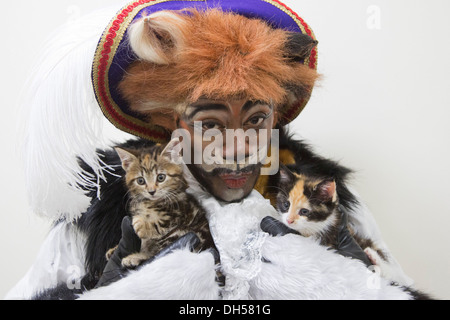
[152, 193]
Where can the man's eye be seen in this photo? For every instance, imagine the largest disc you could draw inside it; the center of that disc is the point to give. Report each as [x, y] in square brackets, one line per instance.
[257, 120]
[209, 125]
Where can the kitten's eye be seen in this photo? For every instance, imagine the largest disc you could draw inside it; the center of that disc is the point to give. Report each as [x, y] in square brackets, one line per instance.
[161, 177]
[303, 212]
[140, 181]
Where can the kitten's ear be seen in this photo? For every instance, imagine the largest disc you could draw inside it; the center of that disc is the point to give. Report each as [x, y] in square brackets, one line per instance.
[299, 46]
[126, 156]
[172, 149]
[158, 37]
[285, 175]
[325, 191]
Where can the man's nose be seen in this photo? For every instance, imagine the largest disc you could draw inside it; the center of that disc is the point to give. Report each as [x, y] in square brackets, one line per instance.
[236, 146]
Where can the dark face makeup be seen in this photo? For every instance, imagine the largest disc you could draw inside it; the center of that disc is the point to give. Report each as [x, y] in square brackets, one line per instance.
[234, 177]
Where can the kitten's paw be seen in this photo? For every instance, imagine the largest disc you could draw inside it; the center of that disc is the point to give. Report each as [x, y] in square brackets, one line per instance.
[141, 227]
[373, 256]
[133, 260]
[110, 252]
[386, 269]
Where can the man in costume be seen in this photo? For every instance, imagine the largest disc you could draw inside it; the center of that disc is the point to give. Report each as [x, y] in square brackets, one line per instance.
[161, 66]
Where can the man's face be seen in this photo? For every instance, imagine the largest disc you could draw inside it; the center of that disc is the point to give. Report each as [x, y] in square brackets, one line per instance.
[233, 178]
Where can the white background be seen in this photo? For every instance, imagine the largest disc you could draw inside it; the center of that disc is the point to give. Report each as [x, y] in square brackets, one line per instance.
[382, 108]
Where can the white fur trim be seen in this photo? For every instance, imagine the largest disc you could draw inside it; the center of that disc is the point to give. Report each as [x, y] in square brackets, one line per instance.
[236, 230]
[181, 275]
[301, 269]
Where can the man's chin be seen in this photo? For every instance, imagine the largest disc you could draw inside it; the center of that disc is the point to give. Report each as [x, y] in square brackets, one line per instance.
[231, 195]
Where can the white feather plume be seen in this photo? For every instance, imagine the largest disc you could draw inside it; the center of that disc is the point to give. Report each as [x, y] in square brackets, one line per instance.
[64, 121]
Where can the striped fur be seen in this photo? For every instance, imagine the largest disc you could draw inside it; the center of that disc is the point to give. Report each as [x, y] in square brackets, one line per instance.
[161, 209]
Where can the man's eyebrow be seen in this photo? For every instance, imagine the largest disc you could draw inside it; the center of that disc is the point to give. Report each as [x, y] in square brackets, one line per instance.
[251, 103]
[220, 107]
[205, 107]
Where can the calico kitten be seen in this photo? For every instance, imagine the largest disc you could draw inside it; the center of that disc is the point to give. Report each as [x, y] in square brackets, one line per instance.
[161, 209]
[310, 205]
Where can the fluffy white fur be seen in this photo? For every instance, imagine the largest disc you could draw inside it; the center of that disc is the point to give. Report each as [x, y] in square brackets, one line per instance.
[181, 275]
[62, 120]
[301, 269]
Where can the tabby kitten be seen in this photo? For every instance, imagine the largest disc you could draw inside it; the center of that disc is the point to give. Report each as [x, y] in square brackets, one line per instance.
[161, 209]
[310, 205]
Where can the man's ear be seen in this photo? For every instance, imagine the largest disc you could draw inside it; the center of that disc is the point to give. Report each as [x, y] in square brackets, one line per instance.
[126, 156]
